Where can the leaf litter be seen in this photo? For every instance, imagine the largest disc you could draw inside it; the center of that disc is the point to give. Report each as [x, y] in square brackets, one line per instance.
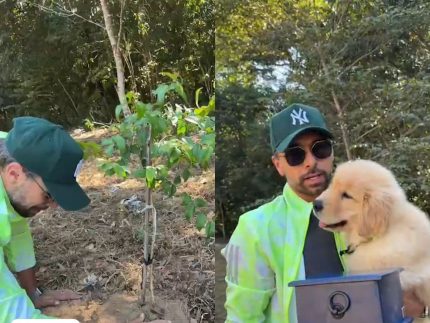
[98, 251]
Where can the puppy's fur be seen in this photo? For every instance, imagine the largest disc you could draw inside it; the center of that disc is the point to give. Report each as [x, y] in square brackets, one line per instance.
[365, 202]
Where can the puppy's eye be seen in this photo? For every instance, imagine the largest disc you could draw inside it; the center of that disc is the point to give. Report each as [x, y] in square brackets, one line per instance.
[345, 195]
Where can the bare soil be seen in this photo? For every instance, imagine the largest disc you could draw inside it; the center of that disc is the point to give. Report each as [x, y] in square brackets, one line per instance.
[98, 251]
[220, 284]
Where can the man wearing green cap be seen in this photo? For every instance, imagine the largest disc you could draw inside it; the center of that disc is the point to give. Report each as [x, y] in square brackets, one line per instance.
[270, 246]
[39, 163]
[280, 241]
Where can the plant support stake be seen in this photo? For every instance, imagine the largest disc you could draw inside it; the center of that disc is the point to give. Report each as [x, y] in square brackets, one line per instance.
[148, 256]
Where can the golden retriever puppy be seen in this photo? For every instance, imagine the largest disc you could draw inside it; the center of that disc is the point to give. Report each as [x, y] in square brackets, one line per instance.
[381, 228]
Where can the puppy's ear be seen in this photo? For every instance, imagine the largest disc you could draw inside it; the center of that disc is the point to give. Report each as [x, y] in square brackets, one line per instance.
[376, 209]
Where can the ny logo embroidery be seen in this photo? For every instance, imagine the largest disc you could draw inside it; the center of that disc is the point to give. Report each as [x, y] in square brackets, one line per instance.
[299, 116]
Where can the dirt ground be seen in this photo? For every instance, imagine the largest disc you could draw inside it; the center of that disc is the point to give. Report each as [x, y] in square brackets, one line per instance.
[220, 284]
[98, 251]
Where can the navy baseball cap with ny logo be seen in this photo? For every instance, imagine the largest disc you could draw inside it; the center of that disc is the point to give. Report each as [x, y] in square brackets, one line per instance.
[294, 120]
[47, 150]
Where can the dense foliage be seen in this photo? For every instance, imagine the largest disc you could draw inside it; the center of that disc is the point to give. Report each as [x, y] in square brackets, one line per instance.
[168, 140]
[365, 64]
[60, 61]
[57, 61]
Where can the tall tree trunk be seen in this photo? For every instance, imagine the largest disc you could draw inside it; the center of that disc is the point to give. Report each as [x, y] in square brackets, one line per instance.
[117, 56]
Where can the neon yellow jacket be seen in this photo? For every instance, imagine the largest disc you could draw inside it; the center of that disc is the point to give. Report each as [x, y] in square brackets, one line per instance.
[263, 255]
[16, 245]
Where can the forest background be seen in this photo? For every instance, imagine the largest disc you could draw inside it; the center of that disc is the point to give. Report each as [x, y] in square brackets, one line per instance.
[365, 64]
[57, 60]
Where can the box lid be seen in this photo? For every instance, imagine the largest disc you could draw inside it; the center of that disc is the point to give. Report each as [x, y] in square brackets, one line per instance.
[368, 276]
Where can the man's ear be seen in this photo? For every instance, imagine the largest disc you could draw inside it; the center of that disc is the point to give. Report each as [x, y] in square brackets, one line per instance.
[14, 173]
[277, 163]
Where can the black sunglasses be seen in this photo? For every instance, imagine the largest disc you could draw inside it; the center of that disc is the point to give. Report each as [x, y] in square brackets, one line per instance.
[296, 155]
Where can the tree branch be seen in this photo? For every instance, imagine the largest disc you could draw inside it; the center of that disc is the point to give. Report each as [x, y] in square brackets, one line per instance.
[63, 12]
[120, 22]
[340, 112]
[411, 130]
[70, 98]
[357, 60]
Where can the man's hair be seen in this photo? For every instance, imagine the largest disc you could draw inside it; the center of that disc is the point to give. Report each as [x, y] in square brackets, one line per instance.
[6, 159]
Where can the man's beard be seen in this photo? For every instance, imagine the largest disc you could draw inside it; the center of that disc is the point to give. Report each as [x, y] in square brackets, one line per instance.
[317, 190]
[25, 212]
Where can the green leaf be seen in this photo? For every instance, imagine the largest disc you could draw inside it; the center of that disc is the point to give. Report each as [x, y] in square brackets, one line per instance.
[120, 171]
[201, 112]
[107, 141]
[208, 139]
[131, 96]
[197, 153]
[199, 202]
[189, 211]
[192, 119]
[211, 105]
[187, 200]
[150, 176]
[109, 150]
[140, 173]
[205, 110]
[91, 149]
[120, 143]
[186, 174]
[172, 76]
[206, 156]
[182, 127]
[110, 171]
[159, 124]
[179, 89]
[142, 138]
[88, 124]
[210, 229]
[197, 95]
[174, 156]
[106, 166]
[177, 180]
[172, 190]
[141, 109]
[162, 171]
[168, 188]
[118, 111]
[201, 220]
[160, 93]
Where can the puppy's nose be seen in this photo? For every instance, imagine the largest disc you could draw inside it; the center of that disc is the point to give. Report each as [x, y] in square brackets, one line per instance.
[318, 205]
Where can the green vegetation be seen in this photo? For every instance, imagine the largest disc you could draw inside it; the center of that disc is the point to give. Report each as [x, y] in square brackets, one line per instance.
[177, 139]
[57, 61]
[363, 63]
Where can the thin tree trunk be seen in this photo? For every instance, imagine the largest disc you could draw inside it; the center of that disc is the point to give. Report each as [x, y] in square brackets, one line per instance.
[340, 114]
[221, 211]
[339, 110]
[70, 98]
[117, 56]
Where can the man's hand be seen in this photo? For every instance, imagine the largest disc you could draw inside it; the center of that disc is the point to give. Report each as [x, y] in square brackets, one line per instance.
[413, 306]
[54, 297]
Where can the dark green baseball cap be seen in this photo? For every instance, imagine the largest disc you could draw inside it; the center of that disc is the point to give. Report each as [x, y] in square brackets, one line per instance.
[47, 150]
[295, 120]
